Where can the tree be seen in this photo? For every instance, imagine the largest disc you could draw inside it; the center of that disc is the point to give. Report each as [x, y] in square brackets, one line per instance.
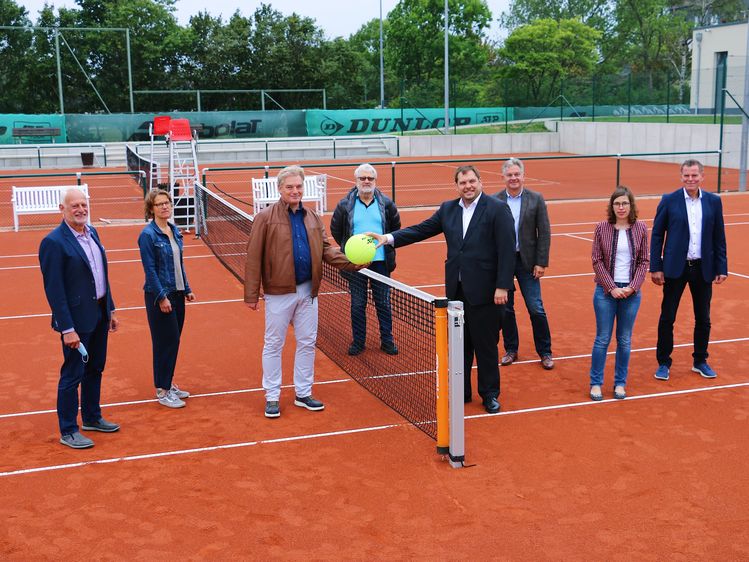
[541, 54]
[14, 57]
[415, 44]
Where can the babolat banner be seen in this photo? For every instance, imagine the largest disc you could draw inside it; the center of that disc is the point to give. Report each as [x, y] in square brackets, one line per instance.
[385, 121]
[31, 129]
[210, 124]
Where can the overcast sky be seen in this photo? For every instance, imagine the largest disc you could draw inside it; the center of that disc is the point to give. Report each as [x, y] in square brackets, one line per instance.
[335, 17]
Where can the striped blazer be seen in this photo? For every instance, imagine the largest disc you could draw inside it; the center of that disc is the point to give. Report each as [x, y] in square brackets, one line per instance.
[604, 254]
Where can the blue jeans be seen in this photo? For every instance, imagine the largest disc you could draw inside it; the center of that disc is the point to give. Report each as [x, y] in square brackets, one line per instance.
[358, 285]
[531, 289]
[607, 309]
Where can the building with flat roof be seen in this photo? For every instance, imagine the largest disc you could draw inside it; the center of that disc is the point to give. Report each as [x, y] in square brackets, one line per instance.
[719, 60]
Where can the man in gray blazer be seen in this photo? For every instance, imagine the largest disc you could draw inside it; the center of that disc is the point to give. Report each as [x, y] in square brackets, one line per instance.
[532, 242]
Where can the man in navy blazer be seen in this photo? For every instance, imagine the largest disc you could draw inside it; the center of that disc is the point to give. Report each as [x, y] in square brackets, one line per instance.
[480, 236]
[76, 282]
[690, 222]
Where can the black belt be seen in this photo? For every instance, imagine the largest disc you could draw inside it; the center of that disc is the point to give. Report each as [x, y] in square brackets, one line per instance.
[693, 263]
[102, 301]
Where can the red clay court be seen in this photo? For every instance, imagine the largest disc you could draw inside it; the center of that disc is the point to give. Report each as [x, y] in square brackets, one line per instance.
[659, 475]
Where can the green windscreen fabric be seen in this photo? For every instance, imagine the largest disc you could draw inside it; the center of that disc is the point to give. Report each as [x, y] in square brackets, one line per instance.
[214, 124]
[10, 121]
[322, 122]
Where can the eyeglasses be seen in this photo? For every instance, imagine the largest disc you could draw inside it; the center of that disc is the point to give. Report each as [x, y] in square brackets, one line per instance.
[164, 204]
[621, 204]
[366, 178]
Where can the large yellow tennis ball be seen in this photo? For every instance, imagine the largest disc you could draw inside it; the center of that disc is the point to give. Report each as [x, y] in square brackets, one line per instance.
[360, 249]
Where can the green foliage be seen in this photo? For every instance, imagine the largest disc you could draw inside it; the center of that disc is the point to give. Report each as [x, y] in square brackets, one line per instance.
[592, 51]
[541, 54]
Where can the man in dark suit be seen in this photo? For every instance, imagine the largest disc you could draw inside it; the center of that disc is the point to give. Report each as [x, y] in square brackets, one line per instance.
[532, 243]
[76, 282]
[690, 222]
[478, 271]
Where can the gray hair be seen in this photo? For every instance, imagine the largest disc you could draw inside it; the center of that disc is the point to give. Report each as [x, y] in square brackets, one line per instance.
[692, 162]
[365, 168]
[70, 190]
[513, 162]
[287, 172]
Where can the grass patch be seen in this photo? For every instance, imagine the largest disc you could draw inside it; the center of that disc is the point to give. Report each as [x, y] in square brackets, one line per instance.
[535, 127]
[688, 119]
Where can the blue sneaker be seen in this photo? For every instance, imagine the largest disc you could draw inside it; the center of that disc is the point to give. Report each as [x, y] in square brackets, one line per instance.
[705, 370]
[662, 373]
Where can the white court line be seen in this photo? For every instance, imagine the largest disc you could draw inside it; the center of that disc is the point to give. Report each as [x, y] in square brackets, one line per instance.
[368, 429]
[639, 350]
[200, 303]
[48, 314]
[733, 273]
[609, 400]
[339, 381]
[578, 237]
[153, 400]
[200, 449]
[111, 262]
[9, 256]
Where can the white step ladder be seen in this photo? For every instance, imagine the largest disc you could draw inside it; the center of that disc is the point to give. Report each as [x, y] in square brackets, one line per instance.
[183, 173]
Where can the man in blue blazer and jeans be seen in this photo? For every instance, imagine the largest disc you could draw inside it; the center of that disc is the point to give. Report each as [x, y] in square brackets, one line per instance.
[76, 282]
[688, 247]
[480, 235]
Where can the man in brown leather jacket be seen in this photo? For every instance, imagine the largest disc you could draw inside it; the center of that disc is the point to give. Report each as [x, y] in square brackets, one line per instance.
[285, 252]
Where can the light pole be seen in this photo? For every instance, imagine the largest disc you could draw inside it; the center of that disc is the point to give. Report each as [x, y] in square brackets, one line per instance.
[447, 72]
[382, 65]
[744, 120]
[698, 37]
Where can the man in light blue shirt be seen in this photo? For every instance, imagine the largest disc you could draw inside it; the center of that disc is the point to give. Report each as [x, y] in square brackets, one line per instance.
[366, 209]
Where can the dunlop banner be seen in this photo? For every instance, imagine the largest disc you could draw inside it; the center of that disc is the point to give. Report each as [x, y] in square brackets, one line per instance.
[388, 121]
[8, 122]
[211, 125]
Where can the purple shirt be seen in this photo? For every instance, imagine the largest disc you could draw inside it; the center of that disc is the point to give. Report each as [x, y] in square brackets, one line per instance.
[95, 259]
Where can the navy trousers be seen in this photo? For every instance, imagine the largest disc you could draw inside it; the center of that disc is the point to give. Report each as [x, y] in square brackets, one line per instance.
[166, 330]
[74, 373]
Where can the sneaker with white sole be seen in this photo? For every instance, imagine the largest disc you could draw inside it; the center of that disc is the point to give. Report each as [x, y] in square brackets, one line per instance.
[170, 400]
[272, 409]
[181, 394]
[309, 403]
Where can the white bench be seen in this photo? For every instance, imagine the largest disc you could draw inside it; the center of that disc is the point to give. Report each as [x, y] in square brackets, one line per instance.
[40, 200]
[265, 192]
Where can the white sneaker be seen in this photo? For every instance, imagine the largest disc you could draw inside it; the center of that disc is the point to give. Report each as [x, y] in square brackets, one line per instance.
[179, 393]
[170, 400]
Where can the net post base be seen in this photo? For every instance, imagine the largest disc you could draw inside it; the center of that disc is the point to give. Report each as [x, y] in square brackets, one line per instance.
[457, 461]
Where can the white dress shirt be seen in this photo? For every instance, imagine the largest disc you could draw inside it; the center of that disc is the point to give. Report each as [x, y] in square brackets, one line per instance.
[694, 217]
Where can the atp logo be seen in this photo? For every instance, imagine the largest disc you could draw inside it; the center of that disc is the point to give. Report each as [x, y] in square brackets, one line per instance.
[330, 127]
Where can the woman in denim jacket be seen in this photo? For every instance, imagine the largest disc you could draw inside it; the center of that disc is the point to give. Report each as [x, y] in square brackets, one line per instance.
[166, 291]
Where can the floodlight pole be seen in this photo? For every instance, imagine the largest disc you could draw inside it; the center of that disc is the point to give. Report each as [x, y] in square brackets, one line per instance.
[129, 69]
[59, 72]
[447, 71]
[744, 119]
[382, 65]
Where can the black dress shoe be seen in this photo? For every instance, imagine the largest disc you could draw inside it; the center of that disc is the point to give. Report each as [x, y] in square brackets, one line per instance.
[491, 405]
[355, 349]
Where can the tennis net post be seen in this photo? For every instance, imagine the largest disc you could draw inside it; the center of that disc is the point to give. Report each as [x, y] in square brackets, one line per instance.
[455, 322]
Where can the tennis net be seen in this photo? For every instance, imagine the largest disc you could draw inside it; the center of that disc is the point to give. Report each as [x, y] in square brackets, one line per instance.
[406, 381]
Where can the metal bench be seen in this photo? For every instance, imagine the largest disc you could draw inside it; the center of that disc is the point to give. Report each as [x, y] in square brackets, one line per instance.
[35, 132]
[40, 200]
[265, 192]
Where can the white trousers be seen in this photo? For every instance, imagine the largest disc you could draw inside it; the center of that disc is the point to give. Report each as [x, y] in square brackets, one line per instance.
[300, 310]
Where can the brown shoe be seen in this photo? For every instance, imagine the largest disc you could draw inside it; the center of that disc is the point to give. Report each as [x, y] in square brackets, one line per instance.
[508, 358]
[547, 362]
